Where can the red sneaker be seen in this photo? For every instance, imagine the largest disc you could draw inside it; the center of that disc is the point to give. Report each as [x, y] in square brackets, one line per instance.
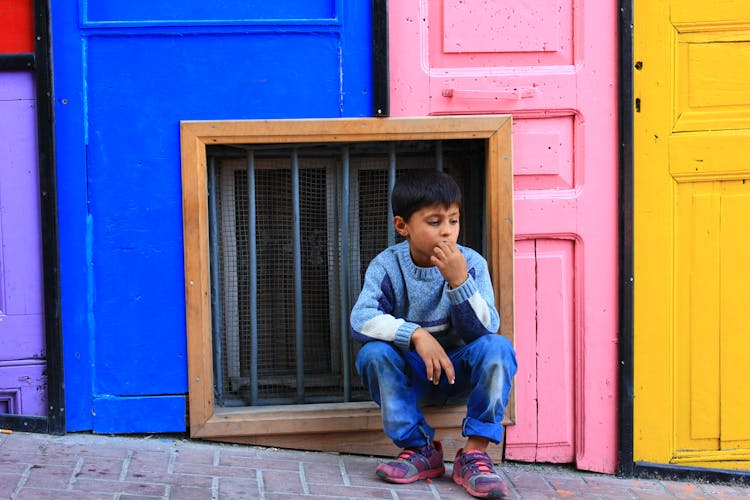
[474, 471]
[414, 464]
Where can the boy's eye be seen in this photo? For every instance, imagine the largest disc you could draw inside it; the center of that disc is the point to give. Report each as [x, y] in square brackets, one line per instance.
[454, 221]
[433, 222]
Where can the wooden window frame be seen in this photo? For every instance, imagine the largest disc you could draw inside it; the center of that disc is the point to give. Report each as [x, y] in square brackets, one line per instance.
[289, 424]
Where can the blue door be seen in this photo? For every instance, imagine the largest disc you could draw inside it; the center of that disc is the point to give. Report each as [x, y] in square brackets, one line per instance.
[125, 73]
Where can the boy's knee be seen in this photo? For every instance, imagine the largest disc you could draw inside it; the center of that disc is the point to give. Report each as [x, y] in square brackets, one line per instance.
[497, 343]
[498, 348]
[376, 352]
[373, 350]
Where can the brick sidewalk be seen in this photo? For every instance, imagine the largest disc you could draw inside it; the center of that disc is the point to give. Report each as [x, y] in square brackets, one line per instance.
[85, 466]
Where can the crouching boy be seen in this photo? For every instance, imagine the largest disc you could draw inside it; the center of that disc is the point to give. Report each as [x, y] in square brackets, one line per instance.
[428, 324]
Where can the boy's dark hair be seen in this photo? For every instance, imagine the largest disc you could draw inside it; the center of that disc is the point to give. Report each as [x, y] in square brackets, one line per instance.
[421, 188]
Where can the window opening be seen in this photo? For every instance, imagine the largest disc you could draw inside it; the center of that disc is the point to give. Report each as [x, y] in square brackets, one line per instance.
[292, 229]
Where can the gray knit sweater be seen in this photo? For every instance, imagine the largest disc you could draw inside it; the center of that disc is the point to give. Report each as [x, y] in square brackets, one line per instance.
[397, 297]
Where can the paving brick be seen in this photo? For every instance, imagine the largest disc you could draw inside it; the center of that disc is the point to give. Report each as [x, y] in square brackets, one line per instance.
[189, 480]
[213, 471]
[292, 496]
[58, 449]
[188, 493]
[195, 455]
[145, 463]
[49, 476]
[652, 495]
[12, 467]
[267, 464]
[685, 490]
[324, 473]
[724, 491]
[43, 494]
[528, 481]
[232, 487]
[101, 468]
[8, 484]
[351, 491]
[644, 486]
[9, 456]
[282, 482]
[120, 487]
[362, 470]
[24, 442]
[230, 456]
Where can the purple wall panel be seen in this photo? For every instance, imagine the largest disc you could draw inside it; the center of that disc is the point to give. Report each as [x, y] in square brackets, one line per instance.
[22, 384]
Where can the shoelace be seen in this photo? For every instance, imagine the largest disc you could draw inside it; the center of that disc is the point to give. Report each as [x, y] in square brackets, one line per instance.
[479, 464]
[406, 454]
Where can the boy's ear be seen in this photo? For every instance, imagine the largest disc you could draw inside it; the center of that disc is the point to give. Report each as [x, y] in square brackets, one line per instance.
[400, 224]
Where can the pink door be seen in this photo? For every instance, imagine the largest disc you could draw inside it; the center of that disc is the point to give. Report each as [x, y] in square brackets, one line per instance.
[552, 64]
[23, 384]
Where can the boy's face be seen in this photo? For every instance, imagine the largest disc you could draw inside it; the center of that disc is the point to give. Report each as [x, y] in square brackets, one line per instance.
[426, 228]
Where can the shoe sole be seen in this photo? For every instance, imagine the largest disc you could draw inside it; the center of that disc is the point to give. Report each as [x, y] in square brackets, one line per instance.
[427, 474]
[497, 493]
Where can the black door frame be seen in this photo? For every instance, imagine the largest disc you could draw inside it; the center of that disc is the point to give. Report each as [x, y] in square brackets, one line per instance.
[39, 63]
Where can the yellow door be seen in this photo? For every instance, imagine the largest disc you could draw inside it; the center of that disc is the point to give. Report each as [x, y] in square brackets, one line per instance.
[692, 233]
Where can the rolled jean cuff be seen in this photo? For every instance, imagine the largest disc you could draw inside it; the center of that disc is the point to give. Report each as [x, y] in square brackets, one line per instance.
[474, 427]
[425, 434]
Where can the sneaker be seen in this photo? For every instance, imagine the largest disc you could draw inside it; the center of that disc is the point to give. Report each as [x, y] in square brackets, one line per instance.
[474, 471]
[414, 464]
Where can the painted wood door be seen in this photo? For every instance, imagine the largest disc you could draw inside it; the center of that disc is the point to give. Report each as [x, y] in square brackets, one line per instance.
[692, 207]
[552, 64]
[125, 74]
[22, 349]
[23, 381]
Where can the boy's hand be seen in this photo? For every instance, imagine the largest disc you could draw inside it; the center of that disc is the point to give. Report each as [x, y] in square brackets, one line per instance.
[451, 263]
[433, 355]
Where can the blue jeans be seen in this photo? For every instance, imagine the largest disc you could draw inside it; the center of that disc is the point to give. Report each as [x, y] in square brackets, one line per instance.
[397, 381]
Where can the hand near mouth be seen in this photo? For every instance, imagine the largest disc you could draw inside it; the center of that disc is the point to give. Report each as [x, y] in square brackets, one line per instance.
[450, 262]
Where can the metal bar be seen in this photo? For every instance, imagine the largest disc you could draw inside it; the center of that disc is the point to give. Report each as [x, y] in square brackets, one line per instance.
[439, 155]
[216, 305]
[391, 182]
[253, 278]
[299, 341]
[344, 270]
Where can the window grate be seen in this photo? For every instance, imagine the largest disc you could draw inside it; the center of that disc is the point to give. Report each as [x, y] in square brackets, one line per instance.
[293, 229]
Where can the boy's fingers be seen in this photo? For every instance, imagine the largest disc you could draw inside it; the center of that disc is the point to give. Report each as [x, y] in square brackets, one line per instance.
[450, 373]
[436, 370]
[428, 366]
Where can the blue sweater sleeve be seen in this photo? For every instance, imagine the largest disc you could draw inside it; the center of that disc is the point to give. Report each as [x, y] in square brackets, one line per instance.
[473, 311]
[372, 316]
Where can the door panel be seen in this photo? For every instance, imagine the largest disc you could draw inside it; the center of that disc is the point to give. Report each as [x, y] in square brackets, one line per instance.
[555, 351]
[16, 26]
[22, 352]
[525, 383]
[692, 128]
[735, 346]
[552, 65]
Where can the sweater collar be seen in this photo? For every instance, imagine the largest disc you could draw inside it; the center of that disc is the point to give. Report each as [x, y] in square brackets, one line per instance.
[408, 265]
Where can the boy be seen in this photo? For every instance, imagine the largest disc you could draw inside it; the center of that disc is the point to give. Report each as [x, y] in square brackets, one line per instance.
[428, 324]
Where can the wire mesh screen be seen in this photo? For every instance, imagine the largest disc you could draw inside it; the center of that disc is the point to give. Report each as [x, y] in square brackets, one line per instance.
[293, 230]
